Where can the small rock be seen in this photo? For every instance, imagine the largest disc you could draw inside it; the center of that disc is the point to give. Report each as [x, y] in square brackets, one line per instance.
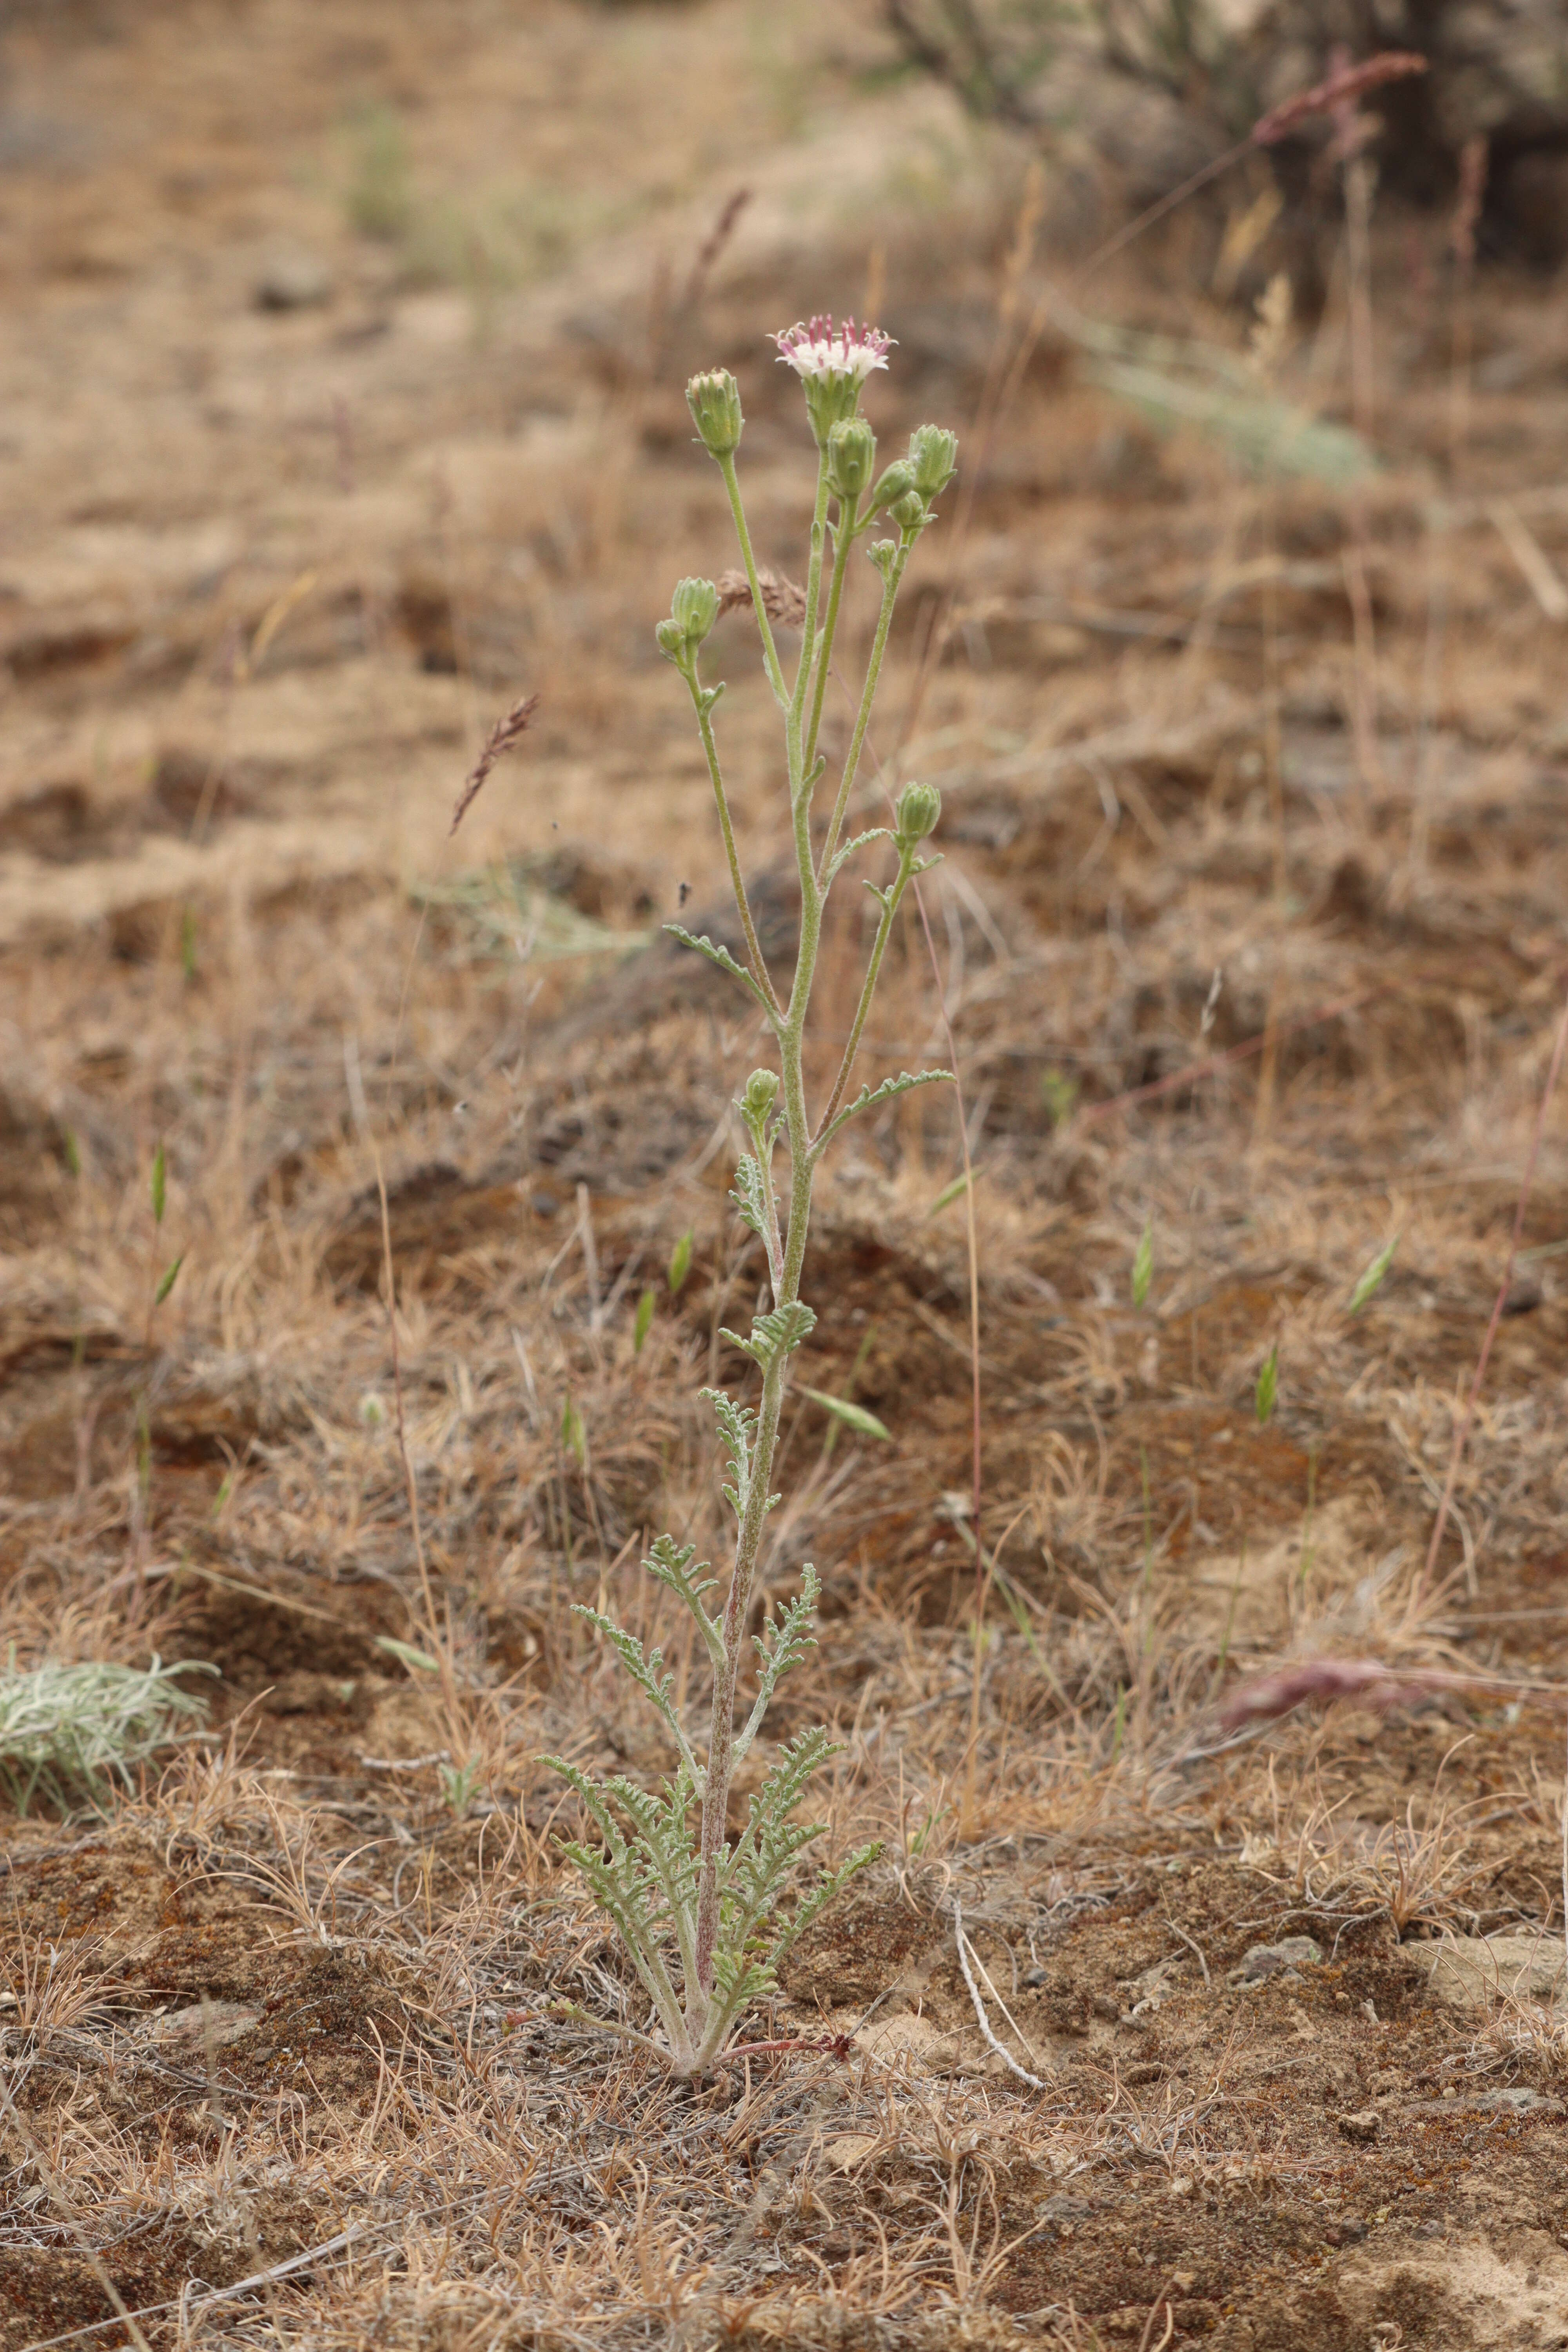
[1284, 1959]
[1472, 1971]
[209, 2025]
[1365, 2124]
[1520, 2100]
[914, 2038]
[293, 281]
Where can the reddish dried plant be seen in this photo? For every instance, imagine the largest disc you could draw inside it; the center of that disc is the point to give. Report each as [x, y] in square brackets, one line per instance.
[1336, 93]
[503, 737]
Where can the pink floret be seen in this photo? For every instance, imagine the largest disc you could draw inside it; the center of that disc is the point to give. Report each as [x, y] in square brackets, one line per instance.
[817, 347]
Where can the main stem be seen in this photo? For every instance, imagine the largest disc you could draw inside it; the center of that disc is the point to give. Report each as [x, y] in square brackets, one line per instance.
[791, 1034]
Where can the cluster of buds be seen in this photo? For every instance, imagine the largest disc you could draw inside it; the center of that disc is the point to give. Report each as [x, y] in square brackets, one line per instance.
[833, 363]
[693, 609]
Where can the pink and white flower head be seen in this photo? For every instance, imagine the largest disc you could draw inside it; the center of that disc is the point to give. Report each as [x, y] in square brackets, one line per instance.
[832, 361]
[817, 349]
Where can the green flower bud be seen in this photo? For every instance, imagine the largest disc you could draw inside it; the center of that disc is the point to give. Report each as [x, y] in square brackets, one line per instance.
[671, 640]
[918, 808]
[694, 608]
[714, 400]
[910, 511]
[830, 400]
[896, 483]
[757, 1102]
[934, 456]
[851, 458]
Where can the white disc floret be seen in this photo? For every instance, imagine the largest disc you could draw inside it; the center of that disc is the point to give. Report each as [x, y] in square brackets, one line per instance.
[832, 361]
[816, 348]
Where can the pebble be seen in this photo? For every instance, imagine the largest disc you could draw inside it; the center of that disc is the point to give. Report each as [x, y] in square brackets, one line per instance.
[1286, 1958]
[293, 281]
[1365, 2124]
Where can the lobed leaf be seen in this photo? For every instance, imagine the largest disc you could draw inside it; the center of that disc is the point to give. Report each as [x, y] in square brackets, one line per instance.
[869, 1097]
[777, 1334]
[723, 959]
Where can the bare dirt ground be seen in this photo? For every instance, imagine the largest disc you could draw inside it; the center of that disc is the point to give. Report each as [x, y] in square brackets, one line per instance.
[341, 406]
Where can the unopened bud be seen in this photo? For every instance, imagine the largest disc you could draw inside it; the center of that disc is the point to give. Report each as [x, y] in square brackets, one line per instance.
[760, 1096]
[933, 457]
[714, 400]
[918, 808]
[671, 641]
[896, 483]
[851, 458]
[694, 608]
[910, 511]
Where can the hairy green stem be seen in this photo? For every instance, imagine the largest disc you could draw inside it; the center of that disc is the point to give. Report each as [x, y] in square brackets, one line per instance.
[770, 656]
[843, 540]
[895, 573]
[867, 990]
[737, 879]
[813, 595]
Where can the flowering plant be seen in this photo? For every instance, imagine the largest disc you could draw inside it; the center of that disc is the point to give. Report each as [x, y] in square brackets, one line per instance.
[698, 1915]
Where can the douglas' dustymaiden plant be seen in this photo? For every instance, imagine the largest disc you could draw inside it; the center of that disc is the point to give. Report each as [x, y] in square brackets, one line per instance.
[697, 1913]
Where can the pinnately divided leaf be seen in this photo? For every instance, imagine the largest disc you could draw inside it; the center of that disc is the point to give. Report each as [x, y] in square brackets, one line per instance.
[644, 1671]
[781, 1646]
[670, 1564]
[777, 1334]
[750, 1194]
[739, 1424]
[861, 841]
[722, 958]
[870, 1096]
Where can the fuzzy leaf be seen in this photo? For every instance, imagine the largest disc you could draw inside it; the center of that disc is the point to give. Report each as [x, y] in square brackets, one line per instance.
[750, 1194]
[169, 1280]
[817, 1901]
[861, 841]
[159, 1187]
[644, 1671]
[1267, 1386]
[781, 1646]
[870, 1096]
[722, 958]
[669, 1563]
[777, 1334]
[738, 1423]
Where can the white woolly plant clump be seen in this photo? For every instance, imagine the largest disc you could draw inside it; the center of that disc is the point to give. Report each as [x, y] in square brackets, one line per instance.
[697, 1911]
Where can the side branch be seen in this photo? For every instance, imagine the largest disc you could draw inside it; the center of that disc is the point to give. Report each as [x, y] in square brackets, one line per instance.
[769, 652]
[890, 579]
[701, 704]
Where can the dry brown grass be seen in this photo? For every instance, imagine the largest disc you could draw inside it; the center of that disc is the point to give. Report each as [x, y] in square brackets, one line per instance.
[290, 2032]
